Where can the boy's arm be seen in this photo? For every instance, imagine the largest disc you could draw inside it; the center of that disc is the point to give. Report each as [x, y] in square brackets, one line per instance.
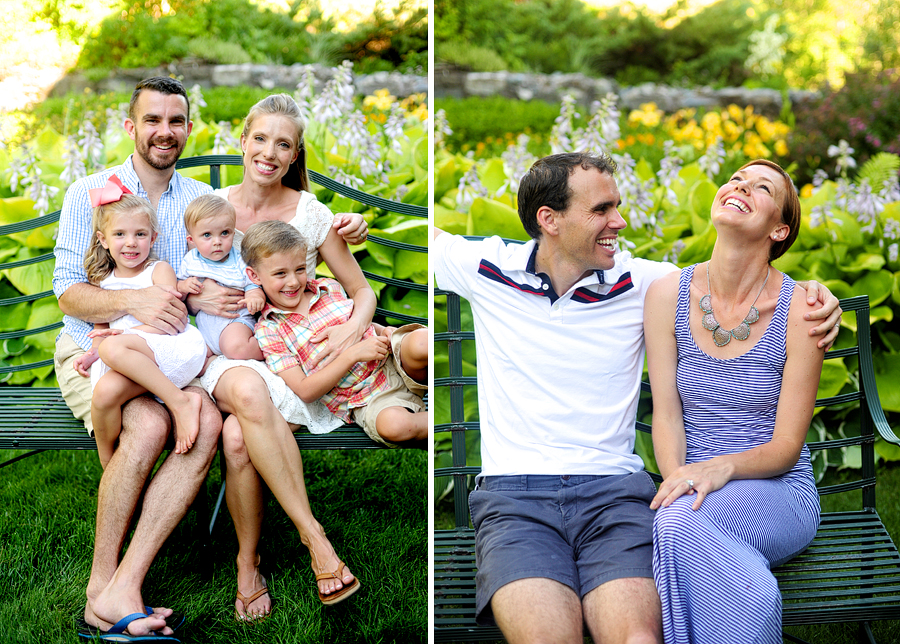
[313, 386]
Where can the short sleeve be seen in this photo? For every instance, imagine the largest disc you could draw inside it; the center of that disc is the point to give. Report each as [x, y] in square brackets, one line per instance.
[313, 219]
[278, 357]
[72, 239]
[456, 261]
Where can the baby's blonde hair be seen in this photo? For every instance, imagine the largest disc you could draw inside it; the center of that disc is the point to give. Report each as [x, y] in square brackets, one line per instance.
[206, 207]
[98, 263]
[266, 238]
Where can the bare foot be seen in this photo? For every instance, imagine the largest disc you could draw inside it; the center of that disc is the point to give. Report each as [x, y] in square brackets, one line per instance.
[249, 583]
[106, 609]
[325, 560]
[187, 420]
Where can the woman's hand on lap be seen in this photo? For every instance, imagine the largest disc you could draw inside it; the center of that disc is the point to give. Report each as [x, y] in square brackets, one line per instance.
[701, 478]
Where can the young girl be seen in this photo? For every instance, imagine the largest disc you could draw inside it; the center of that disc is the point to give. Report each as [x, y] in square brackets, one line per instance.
[133, 357]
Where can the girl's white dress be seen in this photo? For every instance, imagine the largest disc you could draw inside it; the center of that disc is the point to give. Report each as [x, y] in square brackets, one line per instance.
[180, 357]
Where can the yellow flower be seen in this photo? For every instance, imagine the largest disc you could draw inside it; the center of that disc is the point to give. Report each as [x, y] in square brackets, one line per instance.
[807, 190]
[648, 115]
[781, 148]
[730, 131]
[735, 113]
[711, 121]
[766, 129]
[381, 100]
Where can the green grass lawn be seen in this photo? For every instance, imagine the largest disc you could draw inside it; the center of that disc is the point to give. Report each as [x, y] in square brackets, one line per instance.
[372, 504]
[888, 504]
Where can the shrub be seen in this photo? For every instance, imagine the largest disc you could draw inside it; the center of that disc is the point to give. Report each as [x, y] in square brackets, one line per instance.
[468, 56]
[865, 112]
[140, 34]
[214, 50]
[475, 120]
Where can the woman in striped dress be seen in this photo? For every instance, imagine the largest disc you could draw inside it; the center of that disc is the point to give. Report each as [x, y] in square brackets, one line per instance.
[734, 374]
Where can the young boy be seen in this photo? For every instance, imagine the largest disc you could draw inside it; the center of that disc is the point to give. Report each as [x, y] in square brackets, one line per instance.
[210, 220]
[377, 382]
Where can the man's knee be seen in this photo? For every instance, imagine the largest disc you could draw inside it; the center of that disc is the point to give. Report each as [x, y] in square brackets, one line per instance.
[210, 416]
[145, 426]
[538, 610]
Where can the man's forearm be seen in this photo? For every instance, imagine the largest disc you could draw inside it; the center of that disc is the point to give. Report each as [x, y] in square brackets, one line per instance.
[94, 304]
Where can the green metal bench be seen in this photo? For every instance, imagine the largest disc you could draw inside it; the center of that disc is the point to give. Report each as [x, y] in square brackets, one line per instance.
[37, 418]
[850, 572]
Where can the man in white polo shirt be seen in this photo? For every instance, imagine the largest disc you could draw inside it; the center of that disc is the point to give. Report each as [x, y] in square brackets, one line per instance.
[561, 509]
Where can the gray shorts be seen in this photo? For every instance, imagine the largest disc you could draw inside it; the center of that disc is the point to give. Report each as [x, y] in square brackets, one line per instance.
[211, 326]
[581, 531]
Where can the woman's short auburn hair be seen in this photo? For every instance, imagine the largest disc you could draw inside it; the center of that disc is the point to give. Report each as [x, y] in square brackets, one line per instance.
[790, 209]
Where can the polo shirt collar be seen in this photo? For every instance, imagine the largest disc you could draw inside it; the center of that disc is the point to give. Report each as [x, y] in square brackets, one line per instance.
[522, 260]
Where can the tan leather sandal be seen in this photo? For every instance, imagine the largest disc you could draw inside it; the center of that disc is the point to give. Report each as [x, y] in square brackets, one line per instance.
[338, 595]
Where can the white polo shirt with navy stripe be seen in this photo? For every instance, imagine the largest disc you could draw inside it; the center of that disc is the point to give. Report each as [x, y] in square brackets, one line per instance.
[75, 231]
[558, 374]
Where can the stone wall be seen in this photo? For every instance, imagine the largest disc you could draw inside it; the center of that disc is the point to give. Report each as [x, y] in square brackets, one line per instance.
[264, 76]
[552, 87]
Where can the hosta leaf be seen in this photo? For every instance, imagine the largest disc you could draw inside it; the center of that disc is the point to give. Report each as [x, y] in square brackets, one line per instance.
[488, 217]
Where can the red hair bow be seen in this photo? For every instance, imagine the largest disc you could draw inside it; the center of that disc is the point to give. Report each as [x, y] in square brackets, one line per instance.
[110, 193]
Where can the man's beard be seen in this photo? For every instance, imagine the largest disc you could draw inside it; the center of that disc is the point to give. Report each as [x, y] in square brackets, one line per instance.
[143, 151]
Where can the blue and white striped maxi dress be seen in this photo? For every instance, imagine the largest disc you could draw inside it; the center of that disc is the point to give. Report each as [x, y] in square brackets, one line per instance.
[711, 566]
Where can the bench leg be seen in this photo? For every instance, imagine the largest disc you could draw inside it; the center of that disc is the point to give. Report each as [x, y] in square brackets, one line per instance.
[865, 635]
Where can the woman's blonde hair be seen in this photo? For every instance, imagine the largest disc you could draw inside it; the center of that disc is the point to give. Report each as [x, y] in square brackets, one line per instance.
[98, 263]
[284, 105]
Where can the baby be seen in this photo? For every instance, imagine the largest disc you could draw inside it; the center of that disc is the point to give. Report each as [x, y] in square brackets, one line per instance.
[210, 221]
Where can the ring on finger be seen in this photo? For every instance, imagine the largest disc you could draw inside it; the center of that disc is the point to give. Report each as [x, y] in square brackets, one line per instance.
[690, 484]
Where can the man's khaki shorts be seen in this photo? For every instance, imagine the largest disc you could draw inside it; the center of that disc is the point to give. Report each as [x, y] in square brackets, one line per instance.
[76, 389]
[402, 390]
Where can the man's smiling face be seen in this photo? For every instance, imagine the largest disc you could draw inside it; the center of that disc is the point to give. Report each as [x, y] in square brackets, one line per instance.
[160, 128]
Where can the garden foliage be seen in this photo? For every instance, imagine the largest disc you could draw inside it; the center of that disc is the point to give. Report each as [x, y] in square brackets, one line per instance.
[147, 33]
[865, 112]
[849, 237]
[380, 148]
[772, 43]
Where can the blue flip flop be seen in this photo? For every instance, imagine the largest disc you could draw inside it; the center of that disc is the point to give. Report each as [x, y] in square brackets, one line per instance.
[119, 632]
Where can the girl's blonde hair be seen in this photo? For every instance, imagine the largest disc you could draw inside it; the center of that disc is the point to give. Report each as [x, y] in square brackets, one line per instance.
[98, 263]
[285, 105]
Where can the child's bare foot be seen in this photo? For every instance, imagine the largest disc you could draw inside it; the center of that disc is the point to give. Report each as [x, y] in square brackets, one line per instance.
[187, 421]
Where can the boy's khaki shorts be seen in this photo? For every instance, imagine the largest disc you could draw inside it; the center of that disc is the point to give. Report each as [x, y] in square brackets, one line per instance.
[402, 391]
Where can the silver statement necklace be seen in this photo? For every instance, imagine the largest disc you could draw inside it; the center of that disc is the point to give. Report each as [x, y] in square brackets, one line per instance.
[722, 336]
